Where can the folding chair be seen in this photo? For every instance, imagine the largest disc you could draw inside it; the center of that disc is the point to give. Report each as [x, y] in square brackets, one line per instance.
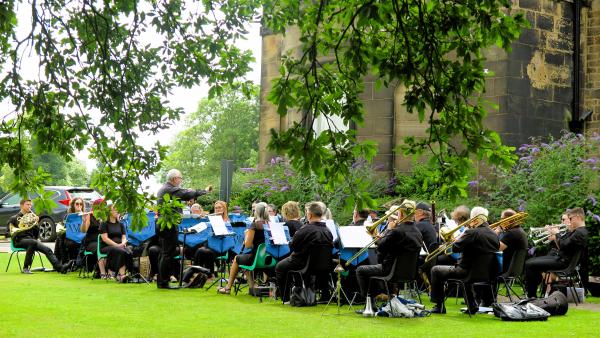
[513, 274]
[404, 270]
[569, 276]
[319, 262]
[100, 256]
[15, 250]
[260, 262]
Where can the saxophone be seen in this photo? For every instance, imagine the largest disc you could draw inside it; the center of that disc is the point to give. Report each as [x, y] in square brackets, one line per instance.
[26, 222]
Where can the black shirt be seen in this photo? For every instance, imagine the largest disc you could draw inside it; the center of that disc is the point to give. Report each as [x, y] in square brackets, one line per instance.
[259, 235]
[474, 242]
[428, 233]
[14, 220]
[293, 226]
[91, 235]
[181, 193]
[310, 235]
[405, 237]
[515, 239]
[115, 231]
[572, 242]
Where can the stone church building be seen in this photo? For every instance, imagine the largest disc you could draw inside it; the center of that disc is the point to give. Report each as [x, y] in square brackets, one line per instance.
[550, 81]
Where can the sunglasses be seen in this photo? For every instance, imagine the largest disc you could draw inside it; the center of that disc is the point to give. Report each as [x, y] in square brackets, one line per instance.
[78, 203]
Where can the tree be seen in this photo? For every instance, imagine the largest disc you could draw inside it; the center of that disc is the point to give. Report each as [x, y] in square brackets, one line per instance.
[431, 48]
[120, 59]
[224, 127]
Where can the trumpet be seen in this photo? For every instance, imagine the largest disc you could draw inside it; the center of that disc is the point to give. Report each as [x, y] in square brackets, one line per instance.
[410, 213]
[542, 234]
[448, 236]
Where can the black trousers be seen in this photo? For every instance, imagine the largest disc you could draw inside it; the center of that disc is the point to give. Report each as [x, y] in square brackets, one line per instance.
[117, 257]
[281, 270]
[168, 243]
[534, 268]
[205, 257]
[33, 245]
[364, 273]
[440, 274]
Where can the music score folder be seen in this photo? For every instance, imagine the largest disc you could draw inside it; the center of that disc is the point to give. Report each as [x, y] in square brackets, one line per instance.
[354, 237]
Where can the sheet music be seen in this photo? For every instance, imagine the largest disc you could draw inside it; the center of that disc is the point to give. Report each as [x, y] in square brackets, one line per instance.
[272, 219]
[332, 228]
[354, 237]
[198, 227]
[278, 233]
[218, 225]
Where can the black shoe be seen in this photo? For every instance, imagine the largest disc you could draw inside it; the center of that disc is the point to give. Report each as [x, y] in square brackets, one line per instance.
[471, 310]
[27, 271]
[64, 268]
[439, 309]
[167, 286]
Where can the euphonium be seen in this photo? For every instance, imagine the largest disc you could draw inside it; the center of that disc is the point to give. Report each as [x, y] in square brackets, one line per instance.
[510, 222]
[368, 311]
[471, 223]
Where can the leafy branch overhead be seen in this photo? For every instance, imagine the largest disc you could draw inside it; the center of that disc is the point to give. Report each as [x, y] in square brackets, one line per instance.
[105, 70]
[433, 49]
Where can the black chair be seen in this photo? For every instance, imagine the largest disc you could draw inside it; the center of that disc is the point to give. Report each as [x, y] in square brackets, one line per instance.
[568, 275]
[513, 274]
[319, 263]
[404, 270]
[477, 277]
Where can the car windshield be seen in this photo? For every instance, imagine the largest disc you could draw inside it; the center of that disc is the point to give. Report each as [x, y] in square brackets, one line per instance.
[88, 195]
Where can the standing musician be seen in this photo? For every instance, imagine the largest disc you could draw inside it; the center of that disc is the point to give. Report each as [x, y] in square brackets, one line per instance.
[397, 239]
[573, 241]
[511, 240]
[314, 233]
[168, 237]
[477, 240]
[24, 233]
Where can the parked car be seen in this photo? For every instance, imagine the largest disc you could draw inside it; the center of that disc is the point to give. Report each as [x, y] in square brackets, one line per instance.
[62, 195]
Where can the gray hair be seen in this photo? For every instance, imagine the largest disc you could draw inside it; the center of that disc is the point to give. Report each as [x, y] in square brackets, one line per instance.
[261, 212]
[172, 174]
[316, 208]
[479, 211]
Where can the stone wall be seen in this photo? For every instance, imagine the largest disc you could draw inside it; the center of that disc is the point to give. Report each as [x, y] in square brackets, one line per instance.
[590, 51]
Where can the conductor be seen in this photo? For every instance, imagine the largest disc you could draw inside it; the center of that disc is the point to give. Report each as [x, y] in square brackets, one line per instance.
[168, 237]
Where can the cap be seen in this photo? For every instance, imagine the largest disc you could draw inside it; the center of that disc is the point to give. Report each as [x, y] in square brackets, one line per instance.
[392, 212]
[423, 206]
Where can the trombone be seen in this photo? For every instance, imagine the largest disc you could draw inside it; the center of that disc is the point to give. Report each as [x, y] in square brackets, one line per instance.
[510, 222]
[371, 228]
[448, 236]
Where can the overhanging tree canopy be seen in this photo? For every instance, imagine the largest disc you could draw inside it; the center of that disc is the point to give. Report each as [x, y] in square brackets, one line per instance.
[121, 58]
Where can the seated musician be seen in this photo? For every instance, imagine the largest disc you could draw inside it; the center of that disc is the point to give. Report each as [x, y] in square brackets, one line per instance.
[91, 227]
[64, 248]
[114, 244]
[459, 215]
[196, 210]
[254, 237]
[573, 241]
[314, 233]
[273, 213]
[396, 240]
[476, 241]
[24, 234]
[205, 256]
[511, 240]
[423, 223]
[291, 215]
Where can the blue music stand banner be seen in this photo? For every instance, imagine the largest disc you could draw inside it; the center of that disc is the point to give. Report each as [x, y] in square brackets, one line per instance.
[138, 237]
[346, 254]
[221, 244]
[193, 240]
[73, 225]
[277, 251]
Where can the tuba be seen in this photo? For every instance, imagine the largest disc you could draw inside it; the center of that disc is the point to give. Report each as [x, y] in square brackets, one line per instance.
[27, 222]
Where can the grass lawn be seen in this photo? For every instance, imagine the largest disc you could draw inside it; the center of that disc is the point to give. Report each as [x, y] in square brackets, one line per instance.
[50, 304]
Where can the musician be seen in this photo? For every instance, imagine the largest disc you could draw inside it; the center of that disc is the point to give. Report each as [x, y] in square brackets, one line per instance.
[91, 227]
[291, 214]
[254, 237]
[573, 241]
[196, 209]
[26, 238]
[477, 240]
[114, 245]
[273, 213]
[64, 248]
[314, 233]
[459, 215]
[511, 240]
[205, 256]
[168, 236]
[423, 223]
[396, 240]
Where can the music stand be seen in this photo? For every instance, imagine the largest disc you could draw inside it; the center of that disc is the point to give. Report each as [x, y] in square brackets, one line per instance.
[221, 244]
[339, 291]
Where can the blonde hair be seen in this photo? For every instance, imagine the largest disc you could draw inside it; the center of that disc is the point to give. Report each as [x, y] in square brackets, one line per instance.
[290, 210]
[225, 212]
